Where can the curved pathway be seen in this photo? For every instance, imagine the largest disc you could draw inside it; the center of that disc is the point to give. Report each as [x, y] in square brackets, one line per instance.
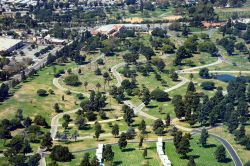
[138, 109]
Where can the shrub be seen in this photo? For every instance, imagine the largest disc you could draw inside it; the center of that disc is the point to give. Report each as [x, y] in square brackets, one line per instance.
[41, 92]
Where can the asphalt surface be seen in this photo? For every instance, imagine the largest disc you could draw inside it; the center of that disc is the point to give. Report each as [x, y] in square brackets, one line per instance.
[230, 150]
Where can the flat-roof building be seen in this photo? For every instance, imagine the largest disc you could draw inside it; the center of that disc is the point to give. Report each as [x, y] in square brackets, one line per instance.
[8, 45]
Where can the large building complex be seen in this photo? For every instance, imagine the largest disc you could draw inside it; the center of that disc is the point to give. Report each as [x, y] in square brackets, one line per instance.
[8, 45]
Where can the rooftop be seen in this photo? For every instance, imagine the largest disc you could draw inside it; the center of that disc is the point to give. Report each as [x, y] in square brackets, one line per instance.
[6, 43]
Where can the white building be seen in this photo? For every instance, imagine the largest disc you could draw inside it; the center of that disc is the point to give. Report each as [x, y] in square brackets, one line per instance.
[8, 45]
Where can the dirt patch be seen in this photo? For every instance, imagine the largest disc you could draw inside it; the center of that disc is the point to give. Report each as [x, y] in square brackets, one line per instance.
[133, 20]
[172, 18]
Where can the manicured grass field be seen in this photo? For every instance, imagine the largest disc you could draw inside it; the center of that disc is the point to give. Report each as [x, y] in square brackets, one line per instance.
[203, 156]
[90, 131]
[88, 74]
[26, 98]
[130, 156]
[133, 156]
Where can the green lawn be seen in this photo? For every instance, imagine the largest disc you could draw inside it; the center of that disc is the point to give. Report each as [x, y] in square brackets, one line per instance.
[26, 98]
[133, 156]
[130, 156]
[203, 156]
[88, 74]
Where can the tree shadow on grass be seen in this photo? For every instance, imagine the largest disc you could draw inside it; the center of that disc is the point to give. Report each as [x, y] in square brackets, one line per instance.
[117, 163]
[128, 149]
[148, 158]
[151, 106]
[195, 156]
[210, 146]
[227, 160]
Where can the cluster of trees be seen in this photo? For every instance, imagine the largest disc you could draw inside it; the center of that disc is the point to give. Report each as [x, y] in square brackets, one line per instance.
[89, 106]
[202, 11]
[234, 29]
[18, 146]
[231, 109]
[128, 114]
[192, 45]
[87, 162]
[44, 50]
[181, 142]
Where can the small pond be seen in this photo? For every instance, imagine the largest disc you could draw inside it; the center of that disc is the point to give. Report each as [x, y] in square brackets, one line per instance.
[228, 77]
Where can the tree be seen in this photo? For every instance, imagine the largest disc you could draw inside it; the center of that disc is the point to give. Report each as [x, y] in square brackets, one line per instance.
[240, 134]
[72, 80]
[34, 160]
[85, 160]
[98, 85]
[128, 115]
[145, 153]
[65, 125]
[204, 136]
[98, 129]
[208, 85]
[41, 92]
[191, 161]
[115, 130]
[233, 122]
[191, 87]
[142, 126]
[80, 122]
[204, 73]
[167, 120]
[41, 121]
[19, 114]
[4, 133]
[145, 96]
[159, 95]
[158, 127]
[85, 85]
[27, 122]
[74, 135]
[61, 154]
[184, 146]
[4, 91]
[148, 52]
[177, 139]
[47, 141]
[122, 142]
[108, 154]
[220, 153]
[130, 58]
[57, 108]
[174, 76]
[141, 141]
[94, 161]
